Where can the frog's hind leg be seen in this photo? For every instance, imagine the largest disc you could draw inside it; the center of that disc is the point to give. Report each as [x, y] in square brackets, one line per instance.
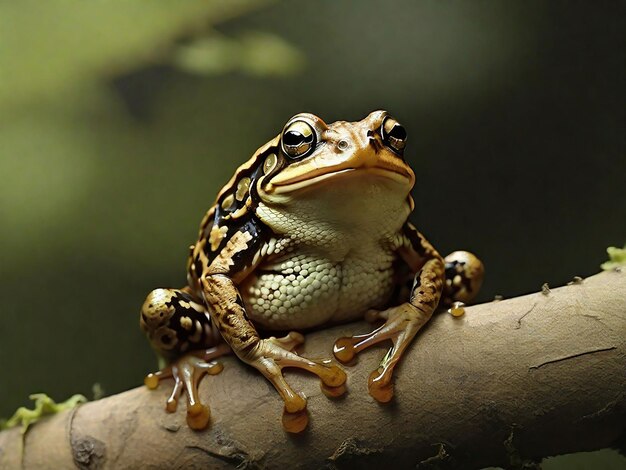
[179, 329]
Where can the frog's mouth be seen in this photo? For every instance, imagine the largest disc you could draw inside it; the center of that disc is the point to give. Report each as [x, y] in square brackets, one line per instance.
[308, 181]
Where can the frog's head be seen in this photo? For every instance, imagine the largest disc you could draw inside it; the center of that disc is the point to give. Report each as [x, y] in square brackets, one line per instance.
[343, 163]
[315, 154]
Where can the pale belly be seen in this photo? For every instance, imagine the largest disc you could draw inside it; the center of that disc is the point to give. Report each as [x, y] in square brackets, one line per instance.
[304, 291]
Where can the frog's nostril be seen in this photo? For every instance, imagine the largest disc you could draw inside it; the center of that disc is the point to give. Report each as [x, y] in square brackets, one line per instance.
[371, 134]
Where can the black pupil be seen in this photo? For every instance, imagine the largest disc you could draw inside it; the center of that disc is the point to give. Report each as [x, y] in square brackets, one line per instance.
[398, 132]
[295, 138]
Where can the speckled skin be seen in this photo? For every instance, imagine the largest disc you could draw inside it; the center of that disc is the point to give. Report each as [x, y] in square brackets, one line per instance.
[319, 274]
[312, 230]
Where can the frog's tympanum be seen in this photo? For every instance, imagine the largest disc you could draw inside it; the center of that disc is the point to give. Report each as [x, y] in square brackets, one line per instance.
[311, 231]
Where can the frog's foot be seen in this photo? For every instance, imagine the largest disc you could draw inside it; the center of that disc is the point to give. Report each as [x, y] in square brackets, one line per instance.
[401, 325]
[270, 356]
[187, 373]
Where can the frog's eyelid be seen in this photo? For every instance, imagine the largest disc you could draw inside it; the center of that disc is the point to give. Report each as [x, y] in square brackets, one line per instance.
[316, 123]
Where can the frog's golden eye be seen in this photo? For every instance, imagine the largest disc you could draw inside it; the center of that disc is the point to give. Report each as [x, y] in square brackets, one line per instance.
[393, 134]
[298, 139]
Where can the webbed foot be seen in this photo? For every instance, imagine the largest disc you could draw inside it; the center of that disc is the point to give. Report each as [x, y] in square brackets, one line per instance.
[187, 373]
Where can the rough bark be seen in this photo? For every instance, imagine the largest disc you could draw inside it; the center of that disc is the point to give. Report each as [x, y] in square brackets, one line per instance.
[509, 382]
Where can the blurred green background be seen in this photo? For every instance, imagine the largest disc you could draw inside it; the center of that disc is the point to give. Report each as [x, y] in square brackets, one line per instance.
[120, 120]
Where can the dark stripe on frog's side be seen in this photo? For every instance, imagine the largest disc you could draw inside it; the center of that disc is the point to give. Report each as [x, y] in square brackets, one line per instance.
[254, 171]
[417, 240]
[219, 216]
[248, 223]
[260, 235]
[198, 267]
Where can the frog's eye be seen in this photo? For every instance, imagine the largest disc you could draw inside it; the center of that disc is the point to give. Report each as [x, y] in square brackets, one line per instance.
[298, 139]
[394, 135]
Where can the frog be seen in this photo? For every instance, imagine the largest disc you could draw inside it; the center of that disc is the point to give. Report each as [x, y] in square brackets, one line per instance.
[312, 231]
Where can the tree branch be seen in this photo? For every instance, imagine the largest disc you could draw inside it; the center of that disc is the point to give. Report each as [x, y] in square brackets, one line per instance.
[508, 382]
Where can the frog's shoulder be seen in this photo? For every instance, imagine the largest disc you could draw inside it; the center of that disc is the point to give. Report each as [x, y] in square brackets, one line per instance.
[232, 216]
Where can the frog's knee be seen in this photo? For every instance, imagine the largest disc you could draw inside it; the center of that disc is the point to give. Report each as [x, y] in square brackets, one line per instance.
[157, 309]
[175, 322]
[464, 276]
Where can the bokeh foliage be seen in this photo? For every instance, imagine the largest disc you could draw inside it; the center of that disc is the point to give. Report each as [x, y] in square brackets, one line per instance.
[50, 47]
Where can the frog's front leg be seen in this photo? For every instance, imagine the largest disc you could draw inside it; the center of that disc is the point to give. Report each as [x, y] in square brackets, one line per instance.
[180, 330]
[269, 356]
[402, 322]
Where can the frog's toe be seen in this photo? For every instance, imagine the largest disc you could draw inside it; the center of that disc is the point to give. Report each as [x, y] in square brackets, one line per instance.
[380, 386]
[295, 422]
[289, 342]
[347, 348]
[152, 379]
[333, 392]
[373, 315]
[198, 416]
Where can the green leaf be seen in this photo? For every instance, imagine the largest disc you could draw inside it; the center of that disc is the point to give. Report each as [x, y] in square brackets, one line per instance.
[44, 406]
[617, 257]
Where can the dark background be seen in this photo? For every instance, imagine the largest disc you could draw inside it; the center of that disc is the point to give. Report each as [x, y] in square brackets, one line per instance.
[118, 125]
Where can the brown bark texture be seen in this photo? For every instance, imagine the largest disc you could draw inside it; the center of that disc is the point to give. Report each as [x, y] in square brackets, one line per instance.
[506, 384]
